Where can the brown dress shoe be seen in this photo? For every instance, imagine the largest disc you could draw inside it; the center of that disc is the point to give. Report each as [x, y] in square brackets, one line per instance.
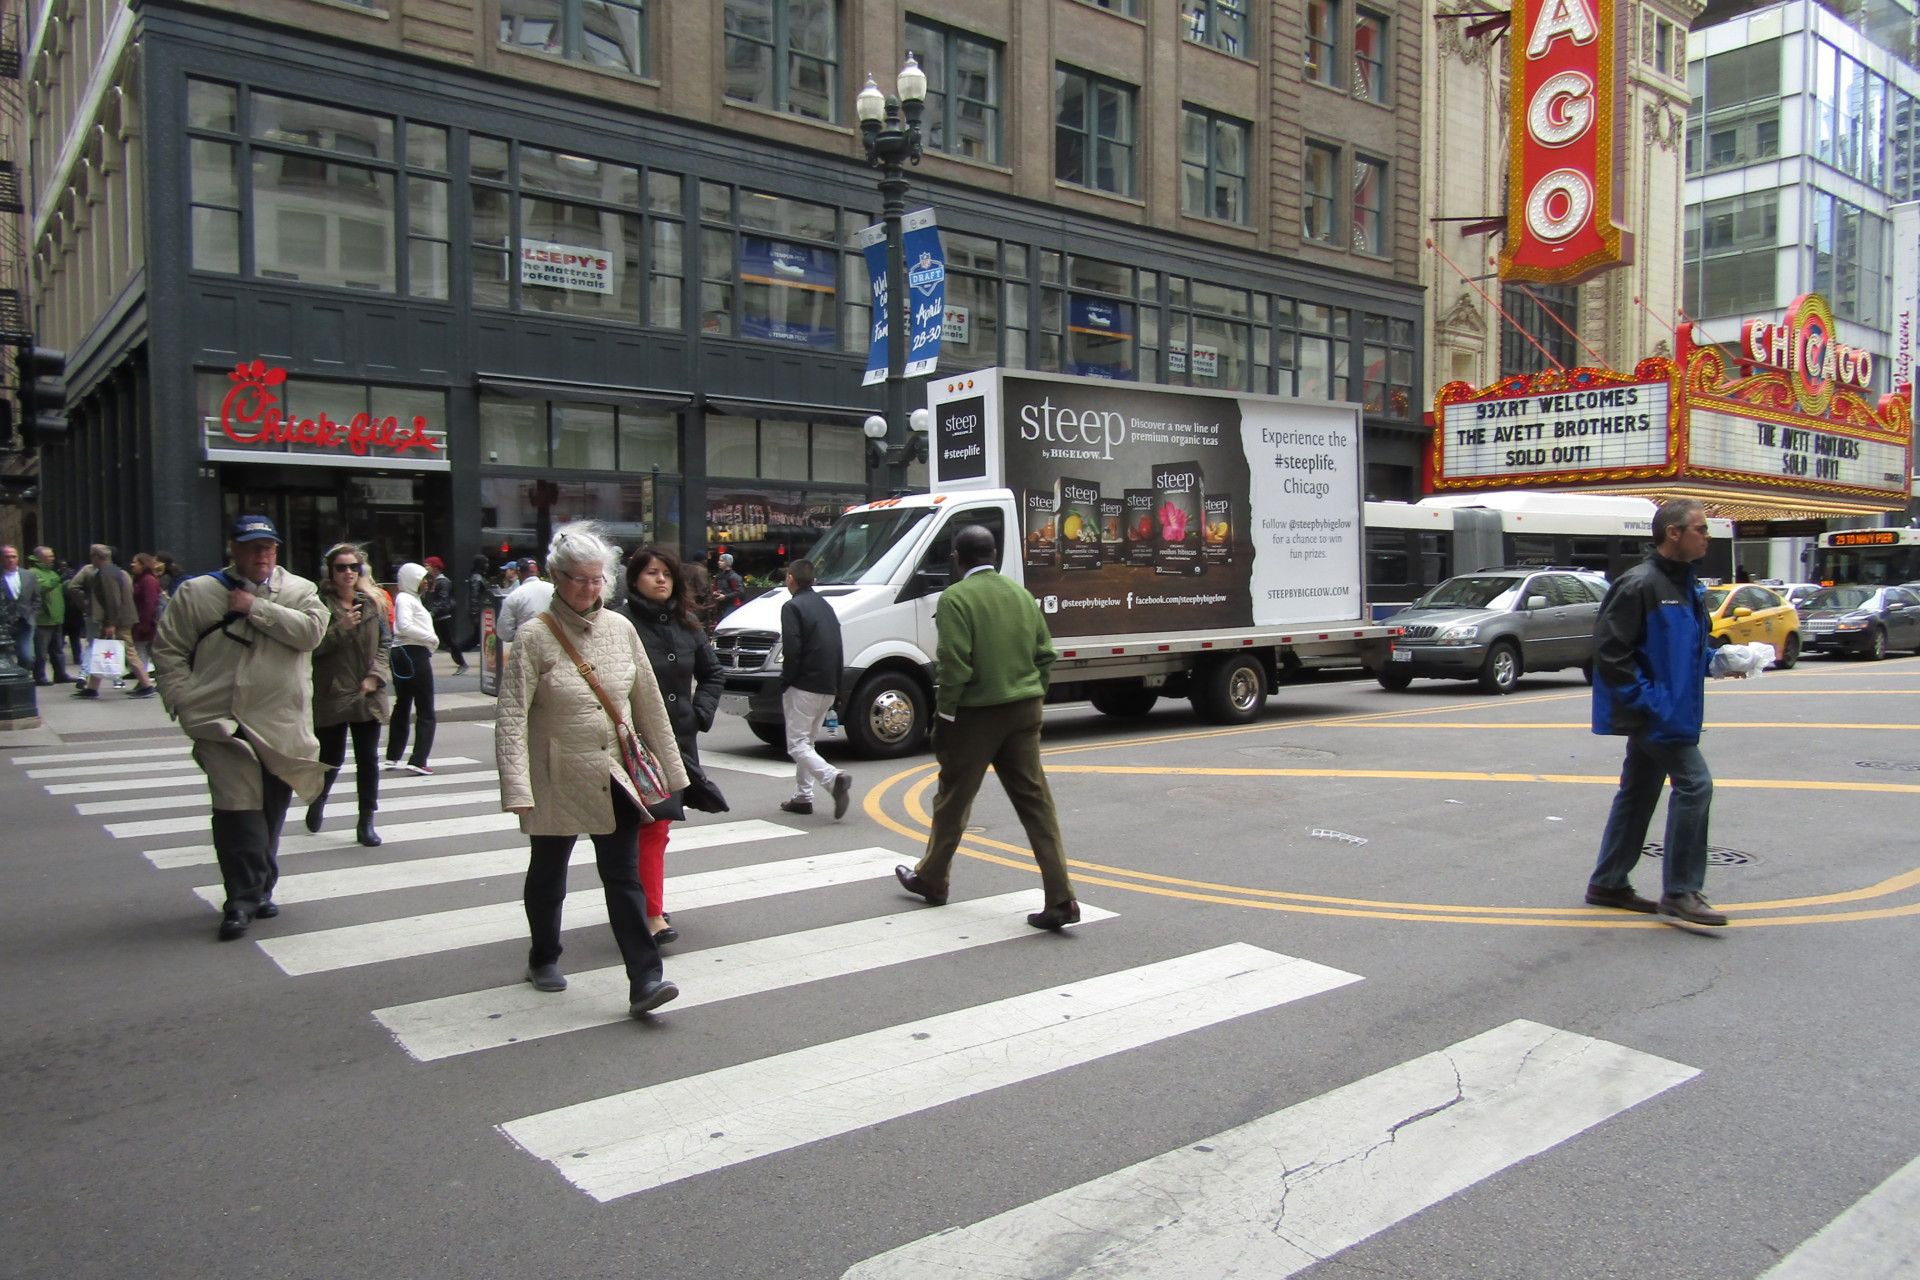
[1624, 898]
[912, 883]
[1057, 916]
[1690, 907]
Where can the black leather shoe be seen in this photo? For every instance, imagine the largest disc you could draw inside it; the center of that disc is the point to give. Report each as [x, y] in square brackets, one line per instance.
[234, 922]
[546, 977]
[1691, 908]
[266, 910]
[796, 806]
[651, 997]
[316, 815]
[365, 833]
[1057, 916]
[842, 795]
[666, 935]
[912, 883]
[1624, 898]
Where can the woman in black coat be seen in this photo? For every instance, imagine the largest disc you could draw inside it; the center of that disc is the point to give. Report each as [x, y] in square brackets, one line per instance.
[689, 677]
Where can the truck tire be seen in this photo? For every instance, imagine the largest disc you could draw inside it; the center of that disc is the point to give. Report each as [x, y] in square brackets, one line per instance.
[1393, 680]
[774, 735]
[1116, 698]
[1501, 671]
[887, 716]
[1232, 690]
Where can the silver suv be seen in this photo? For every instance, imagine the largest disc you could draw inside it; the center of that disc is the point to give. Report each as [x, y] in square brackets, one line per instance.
[1495, 625]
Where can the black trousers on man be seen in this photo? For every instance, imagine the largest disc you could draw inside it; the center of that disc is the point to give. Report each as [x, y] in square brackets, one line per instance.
[616, 854]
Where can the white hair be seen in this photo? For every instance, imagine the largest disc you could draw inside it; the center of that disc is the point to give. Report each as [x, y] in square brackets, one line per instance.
[581, 545]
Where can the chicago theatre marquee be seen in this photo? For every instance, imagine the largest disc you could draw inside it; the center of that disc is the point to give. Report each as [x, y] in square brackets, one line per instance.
[1785, 427]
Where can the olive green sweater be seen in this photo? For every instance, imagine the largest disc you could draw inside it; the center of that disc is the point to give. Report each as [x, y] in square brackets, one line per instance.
[994, 645]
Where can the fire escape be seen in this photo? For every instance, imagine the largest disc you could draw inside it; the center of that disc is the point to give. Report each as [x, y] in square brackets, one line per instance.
[15, 330]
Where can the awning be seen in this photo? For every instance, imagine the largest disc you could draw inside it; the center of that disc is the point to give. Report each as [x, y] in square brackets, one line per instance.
[792, 411]
[586, 393]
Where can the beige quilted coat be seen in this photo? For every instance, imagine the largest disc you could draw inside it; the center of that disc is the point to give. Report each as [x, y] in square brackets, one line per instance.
[553, 740]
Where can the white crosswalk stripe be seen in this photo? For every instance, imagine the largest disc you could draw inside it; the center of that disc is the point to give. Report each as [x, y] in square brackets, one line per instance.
[453, 1025]
[420, 935]
[113, 772]
[161, 747]
[746, 764]
[511, 860]
[197, 855]
[198, 821]
[342, 797]
[1878, 1237]
[1292, 1189]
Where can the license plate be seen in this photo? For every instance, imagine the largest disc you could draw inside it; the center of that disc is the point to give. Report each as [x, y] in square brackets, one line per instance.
[1402, 655]
[734, 704]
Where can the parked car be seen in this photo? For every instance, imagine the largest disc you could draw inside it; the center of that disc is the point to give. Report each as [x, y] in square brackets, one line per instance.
[1749, 614]
[1496, 625]
[1862, 620]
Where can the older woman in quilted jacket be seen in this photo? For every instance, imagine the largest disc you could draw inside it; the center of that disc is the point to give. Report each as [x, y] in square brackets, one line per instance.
[560, 765]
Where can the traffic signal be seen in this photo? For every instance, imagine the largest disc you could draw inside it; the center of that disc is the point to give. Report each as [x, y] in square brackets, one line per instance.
[42, 379]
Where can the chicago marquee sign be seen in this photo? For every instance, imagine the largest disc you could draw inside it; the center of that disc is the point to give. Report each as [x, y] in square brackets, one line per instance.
[1560, 199]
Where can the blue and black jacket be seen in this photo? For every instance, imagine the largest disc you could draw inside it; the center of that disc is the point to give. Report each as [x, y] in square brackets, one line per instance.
[1651, 649]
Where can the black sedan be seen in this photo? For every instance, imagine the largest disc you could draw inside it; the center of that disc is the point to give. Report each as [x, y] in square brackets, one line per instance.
[1861, 620]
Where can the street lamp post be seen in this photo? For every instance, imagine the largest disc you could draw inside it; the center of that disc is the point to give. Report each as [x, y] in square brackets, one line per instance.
[890, 131]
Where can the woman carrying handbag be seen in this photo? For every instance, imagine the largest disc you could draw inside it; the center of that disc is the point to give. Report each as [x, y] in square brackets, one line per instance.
[585, 746]
[662, 610]
[351, 682]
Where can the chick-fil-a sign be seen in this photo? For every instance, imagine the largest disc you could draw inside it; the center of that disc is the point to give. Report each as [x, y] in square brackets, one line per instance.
[1560, 227]
[251, 419]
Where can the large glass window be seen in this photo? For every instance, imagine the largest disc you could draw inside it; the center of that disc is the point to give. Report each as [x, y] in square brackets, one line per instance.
[1550, 316]
[1369, 207]
[1221, 24]
[784, 55]
[780, 449]
[601, 33]
[1369, 56]
[1323, 42]
[1093, 135]
[521, 512]
[1213, 165]
[780, 286]
[1734, 118]
[572, 436]
[1319, 192]
[963, 90]
[1849, 259]
[1729, 251]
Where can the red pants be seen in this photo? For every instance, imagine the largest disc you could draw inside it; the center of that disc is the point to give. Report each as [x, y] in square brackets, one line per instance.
[653, 865]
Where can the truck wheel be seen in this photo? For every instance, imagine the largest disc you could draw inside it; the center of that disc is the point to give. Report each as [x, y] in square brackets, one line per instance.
[1231, 691]
[774, 735]
[887, 716]
[1790, 654]
[1126, 701]
[1394, 680]
[1501, 671]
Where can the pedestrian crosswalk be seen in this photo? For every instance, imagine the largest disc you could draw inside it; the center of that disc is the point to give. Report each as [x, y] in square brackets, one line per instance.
[1268, 1198]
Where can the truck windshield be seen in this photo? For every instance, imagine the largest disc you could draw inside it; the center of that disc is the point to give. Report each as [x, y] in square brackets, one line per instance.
[866, 546]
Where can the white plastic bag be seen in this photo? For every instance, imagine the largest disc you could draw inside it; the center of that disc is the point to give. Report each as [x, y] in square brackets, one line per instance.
[107, 658]
[1747, 660]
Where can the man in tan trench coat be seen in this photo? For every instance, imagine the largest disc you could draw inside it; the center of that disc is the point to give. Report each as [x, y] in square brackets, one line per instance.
[234, 652]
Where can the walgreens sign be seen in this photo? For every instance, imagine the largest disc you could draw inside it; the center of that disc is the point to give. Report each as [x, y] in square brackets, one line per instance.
[1560, 227]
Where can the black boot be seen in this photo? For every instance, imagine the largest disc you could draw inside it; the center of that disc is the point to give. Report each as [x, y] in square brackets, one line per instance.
[365, 833]
[316, 812]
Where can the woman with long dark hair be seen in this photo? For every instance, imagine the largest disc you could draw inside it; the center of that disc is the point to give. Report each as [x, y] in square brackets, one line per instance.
[351, 684]
[665, 614]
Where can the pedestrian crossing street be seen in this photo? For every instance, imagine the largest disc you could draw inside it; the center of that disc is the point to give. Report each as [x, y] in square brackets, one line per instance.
[1271, 1197]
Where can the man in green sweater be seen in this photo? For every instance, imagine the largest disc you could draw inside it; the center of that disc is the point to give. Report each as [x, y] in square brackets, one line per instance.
[991, 668]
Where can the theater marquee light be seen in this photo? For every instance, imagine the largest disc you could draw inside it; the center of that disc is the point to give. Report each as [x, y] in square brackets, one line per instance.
[1560, 227]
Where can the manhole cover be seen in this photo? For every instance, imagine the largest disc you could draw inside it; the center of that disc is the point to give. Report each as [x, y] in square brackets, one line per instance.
[1718, 855]
[1905, 766]
[1216, 796]
[1284, 752]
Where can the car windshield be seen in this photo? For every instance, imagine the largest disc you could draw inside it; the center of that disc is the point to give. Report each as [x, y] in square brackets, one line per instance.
[1717, 597]
[1840, 598]
[866, 546]
[1471, 592]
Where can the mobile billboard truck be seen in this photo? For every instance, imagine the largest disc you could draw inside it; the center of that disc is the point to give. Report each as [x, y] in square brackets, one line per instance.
[1181, 543]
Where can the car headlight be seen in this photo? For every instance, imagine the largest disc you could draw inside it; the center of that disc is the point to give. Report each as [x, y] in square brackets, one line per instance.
[1852, 622]
[1460, 633]
[773, 656]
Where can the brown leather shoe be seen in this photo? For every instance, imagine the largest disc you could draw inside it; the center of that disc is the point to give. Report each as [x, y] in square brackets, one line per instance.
[796, 806]
[912, 883]
[1690, 907]
[1057, 916]
[1624, 898]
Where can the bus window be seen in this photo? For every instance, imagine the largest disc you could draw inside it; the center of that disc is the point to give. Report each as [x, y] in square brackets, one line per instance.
[1593, 554]
[1530, 548]
[1436, 557]
[1388, 564]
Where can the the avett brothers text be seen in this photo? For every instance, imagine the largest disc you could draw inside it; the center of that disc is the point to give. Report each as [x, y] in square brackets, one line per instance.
[1500, 431]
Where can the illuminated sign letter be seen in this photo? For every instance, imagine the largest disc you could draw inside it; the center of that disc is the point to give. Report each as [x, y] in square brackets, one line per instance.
[1569, 18]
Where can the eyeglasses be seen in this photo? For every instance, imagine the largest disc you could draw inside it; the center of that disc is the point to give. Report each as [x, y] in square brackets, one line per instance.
[577, 580]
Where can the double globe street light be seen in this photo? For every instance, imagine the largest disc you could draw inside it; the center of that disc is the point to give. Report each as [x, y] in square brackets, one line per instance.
[890, 131]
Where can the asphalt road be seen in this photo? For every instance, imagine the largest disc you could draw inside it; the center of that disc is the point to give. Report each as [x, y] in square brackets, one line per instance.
[1348, 1005]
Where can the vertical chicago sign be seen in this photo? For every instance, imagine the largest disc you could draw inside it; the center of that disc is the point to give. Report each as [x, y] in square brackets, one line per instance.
[1560, 210]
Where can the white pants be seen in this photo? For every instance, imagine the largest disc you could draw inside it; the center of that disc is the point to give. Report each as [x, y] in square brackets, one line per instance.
[806, 717]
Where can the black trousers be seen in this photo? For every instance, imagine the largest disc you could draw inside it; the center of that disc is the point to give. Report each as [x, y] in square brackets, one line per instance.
[616, 854]
[246, 843]
[449, 632]
[366, 757]
[411, 690]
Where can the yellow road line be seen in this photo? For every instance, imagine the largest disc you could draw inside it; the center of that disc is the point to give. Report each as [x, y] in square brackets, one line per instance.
[1425, 775]
[1583, 724]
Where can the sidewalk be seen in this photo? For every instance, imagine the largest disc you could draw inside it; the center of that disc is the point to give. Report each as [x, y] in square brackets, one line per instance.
[113, 716]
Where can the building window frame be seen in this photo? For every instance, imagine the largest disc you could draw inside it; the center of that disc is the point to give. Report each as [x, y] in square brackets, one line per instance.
[569, 32]
[1214, 172]
[1320, 194]
[949, 101]
[776, 40]
[1226, 25]
[1084, 151]
[1371, 196]
[1371, 32]
[1529, 307]
[1322, 38]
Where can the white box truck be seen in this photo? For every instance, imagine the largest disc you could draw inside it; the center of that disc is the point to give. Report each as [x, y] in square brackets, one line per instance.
[1182, 543]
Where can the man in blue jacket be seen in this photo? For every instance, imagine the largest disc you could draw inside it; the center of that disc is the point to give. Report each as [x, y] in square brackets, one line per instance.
[1651, 658]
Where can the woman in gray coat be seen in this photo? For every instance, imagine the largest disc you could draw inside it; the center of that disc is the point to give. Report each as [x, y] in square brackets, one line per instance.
[350, 684]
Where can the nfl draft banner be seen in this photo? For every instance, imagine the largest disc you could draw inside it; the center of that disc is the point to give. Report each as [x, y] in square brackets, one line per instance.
[1560, 205]
[927, 316]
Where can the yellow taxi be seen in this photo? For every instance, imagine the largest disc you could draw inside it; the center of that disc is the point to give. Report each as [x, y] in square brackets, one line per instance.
[1744, 614]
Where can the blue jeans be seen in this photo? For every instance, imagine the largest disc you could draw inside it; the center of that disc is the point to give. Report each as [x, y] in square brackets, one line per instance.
[1648, 766]
[23, 642]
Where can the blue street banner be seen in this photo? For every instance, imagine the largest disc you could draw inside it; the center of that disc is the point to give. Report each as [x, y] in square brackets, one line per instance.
[926, 293]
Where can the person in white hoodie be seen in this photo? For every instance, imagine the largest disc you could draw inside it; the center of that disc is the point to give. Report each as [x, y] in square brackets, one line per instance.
[412, 657]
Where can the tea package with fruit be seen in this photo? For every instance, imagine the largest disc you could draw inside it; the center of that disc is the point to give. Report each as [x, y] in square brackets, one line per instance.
[1113, 517]
[1217, 534]
[1142, 530]
[1178, 493]
[1039, 508]
[1079, 524]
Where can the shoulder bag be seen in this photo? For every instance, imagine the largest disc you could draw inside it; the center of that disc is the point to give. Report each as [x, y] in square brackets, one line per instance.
[649, 779]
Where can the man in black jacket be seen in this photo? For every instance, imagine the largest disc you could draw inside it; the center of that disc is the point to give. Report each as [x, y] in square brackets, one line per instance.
[810, 666]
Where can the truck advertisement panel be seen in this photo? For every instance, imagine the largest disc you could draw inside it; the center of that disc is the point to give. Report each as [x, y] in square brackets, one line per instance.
[1156, 509]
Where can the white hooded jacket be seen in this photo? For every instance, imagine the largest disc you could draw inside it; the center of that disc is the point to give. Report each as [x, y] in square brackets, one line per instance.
[412, 624]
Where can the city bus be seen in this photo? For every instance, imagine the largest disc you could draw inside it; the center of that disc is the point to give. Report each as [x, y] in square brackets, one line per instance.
[1870, 557]
[1413, 546]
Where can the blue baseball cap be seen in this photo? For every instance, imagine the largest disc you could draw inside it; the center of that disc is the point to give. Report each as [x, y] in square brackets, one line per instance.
[252, 529]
